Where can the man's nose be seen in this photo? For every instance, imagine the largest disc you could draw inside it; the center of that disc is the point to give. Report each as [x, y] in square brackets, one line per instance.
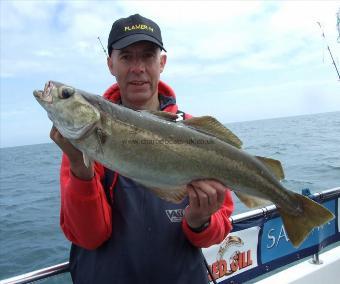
[137, 66]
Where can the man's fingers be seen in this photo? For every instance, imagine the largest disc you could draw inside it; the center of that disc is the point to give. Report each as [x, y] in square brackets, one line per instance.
[193, 197]
[56, 136]
[206, 195]
[214, 190]
[207, 189]
[64, 144]
[205, 198]
[221, 196]
[53, 132]
[217, 185]
[221, 191]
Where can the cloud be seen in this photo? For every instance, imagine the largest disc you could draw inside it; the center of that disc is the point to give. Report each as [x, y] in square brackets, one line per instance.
[258, 58]
[254, 35]
[268, 101]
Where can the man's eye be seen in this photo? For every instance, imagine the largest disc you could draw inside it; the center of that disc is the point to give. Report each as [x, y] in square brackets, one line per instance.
[124, 57]
[148, 55]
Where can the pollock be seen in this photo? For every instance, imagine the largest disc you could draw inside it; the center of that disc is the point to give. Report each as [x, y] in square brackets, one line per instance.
[164, 154]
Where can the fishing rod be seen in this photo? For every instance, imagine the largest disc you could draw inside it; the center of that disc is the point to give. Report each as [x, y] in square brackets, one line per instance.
[102, 46]
[324, 37]
[208, 268]
[338, 24]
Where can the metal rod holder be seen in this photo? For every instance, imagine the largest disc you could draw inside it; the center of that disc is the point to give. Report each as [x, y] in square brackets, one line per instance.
[316, 259]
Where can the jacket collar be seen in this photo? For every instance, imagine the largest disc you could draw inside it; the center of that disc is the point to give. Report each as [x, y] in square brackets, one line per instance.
[167, 96]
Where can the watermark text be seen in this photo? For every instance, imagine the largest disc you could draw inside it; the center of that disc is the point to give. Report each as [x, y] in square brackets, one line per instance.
[166, 141]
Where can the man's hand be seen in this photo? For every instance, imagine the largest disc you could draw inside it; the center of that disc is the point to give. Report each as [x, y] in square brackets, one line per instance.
[75, 156]
[205, 198]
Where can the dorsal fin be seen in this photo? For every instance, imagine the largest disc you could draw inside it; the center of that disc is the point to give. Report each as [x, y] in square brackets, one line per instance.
[274, 166]
[211, 126]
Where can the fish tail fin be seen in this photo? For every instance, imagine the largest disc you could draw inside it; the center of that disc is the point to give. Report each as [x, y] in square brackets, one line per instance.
[313, 215]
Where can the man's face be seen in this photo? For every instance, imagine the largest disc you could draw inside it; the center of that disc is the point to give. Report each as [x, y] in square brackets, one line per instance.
[137, 69]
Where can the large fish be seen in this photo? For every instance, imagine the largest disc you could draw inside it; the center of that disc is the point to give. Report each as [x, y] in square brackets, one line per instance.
[164, 154]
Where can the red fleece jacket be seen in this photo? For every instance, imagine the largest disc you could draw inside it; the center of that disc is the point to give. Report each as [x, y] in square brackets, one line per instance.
[85, 215]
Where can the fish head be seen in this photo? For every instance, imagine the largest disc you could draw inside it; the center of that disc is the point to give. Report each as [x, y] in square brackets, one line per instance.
[69, 111]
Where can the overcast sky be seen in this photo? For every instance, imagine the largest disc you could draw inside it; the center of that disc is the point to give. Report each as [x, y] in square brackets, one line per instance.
[235, 60]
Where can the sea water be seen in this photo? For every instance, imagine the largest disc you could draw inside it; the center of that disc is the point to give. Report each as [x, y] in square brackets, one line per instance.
[30, 236]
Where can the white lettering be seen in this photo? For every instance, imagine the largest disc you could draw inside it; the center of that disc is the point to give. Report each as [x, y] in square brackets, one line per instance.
[272, 238]
[281, 235]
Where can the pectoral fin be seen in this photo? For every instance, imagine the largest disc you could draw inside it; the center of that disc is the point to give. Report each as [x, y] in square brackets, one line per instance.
[86, 160]
[174, 195]
[171, 194]
[274, 166]
[211, 126]
[101, 138]
[251, 201]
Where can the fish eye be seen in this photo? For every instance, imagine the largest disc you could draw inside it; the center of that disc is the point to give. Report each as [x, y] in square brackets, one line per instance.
[67, 92]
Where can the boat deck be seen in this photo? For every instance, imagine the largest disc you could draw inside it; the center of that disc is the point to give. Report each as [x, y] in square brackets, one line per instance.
[306, 272]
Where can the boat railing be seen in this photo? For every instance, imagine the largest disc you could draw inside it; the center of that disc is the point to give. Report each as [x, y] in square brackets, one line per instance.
[39, 274]
[250, 256]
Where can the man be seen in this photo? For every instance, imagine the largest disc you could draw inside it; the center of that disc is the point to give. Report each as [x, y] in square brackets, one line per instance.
[121, 232]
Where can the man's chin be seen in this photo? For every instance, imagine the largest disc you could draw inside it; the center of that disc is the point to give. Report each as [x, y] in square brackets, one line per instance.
[139, 88]
[138, 98]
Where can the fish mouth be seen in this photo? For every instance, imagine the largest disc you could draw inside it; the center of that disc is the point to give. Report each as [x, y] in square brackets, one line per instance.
[46, 94]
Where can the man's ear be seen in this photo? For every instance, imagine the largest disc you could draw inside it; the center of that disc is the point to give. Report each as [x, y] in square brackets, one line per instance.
[110, 65]
[163, 61]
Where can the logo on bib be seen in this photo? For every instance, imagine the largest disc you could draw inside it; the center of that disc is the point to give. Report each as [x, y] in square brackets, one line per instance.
[175, 215]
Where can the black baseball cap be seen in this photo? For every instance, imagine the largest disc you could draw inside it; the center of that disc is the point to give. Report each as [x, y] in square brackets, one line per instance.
[126, 31]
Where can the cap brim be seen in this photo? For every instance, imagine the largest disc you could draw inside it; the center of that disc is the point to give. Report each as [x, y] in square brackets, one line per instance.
[128, 40]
